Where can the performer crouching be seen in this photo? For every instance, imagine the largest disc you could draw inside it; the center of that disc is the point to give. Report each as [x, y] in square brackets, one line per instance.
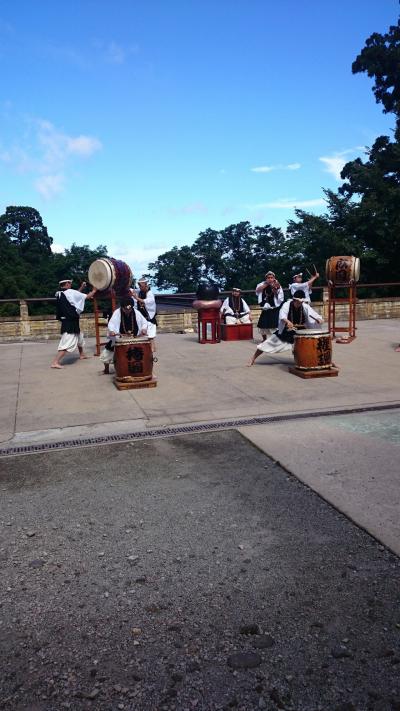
[294, 314]
[125, 321]
[235, 310]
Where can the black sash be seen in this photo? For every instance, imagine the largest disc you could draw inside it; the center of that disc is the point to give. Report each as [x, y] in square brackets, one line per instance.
[143, 310]
[67, 314]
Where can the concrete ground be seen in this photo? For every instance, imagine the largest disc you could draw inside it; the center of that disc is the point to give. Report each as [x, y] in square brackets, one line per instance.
[188, 573]
[351, 459]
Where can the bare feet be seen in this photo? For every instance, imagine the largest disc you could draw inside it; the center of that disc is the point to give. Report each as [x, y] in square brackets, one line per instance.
[56, 365]
[250, 364]
[83, 357]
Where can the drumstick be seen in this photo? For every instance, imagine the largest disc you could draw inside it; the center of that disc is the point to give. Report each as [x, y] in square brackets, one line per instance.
[315, 269]
[308, 272]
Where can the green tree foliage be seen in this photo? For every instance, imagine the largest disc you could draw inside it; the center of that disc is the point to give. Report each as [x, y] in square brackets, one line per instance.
[380, 59]
[28, 267]
[176, 269]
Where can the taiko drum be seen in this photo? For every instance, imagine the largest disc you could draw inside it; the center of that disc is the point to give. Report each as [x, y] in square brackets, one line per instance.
[133, 359]
[109, 273]
[313, 350]
[343, 270]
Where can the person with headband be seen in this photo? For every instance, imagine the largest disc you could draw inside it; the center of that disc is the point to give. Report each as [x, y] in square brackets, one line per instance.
[234, 309]
[305, 286]
[270, 298]
[125, 321]
[69, 306]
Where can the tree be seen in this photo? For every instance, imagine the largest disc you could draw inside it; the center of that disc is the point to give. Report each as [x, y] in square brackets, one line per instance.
[179, 269]
[375, 184]
[24, 227]
[380, 58]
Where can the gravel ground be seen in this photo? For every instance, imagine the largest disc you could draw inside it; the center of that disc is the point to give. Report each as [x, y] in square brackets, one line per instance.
[188, 573]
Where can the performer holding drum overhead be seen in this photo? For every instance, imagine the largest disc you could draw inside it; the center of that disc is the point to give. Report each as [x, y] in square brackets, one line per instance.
[127, 321]
[295, 314]
[270, 297]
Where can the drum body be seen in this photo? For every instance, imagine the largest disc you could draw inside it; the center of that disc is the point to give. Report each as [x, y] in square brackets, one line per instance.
[133, 359]
[343, 270]
[109, 273]
[313, 350]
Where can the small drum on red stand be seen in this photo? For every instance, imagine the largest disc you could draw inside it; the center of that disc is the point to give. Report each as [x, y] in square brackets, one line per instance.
[313, 354]
[108, 273]
[133, 362]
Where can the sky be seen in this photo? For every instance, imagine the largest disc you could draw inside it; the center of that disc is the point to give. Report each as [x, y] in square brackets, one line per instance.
[138, 125]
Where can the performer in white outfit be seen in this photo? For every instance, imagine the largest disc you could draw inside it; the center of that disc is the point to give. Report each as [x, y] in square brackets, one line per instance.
[235, 310]
[69, 306]
[126, 321]
[305, 286]
[294, 314]
[270, 297]
[144, 301]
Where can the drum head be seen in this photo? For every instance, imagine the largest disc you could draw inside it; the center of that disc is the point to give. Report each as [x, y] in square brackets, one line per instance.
[101, 274]
[311, 332]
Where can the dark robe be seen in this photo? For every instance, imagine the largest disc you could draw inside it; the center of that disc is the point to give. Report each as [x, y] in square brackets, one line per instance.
[67, 314]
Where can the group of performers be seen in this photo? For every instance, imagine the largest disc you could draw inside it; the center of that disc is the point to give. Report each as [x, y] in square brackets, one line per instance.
[279, 320]
[136, 316]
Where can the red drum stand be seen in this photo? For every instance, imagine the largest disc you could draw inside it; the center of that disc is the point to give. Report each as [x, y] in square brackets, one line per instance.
[208, 321]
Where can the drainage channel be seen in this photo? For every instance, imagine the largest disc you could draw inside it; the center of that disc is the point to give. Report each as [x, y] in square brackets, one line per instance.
[172, 431]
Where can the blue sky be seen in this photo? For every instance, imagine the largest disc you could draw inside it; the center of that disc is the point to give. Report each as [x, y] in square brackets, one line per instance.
[138, 125]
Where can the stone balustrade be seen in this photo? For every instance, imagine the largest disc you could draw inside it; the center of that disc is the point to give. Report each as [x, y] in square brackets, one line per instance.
[38, 328]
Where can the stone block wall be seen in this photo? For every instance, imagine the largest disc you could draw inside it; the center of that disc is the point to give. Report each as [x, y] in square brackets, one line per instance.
[39, 328]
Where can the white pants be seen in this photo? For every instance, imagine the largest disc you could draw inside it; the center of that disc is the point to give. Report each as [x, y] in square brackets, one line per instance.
[70, 341]
[232, 321]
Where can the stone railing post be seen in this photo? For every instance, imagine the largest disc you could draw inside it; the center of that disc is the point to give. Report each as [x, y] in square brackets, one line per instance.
[24, 316]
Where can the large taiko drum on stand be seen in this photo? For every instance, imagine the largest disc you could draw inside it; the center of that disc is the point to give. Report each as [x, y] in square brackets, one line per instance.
[133, 360]
[109, 273]
[312, 349]
[343, 271]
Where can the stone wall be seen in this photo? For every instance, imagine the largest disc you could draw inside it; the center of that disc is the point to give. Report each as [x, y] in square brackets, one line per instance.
[39, 328]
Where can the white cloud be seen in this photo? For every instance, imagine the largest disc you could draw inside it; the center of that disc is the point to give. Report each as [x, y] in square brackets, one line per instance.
[278, 166]
[137, 257]
[287, 204]
[45, 152]
[57, 248]
[58, 146]
[83, 145]
[50, 185]
[195, 208]
[335, 163]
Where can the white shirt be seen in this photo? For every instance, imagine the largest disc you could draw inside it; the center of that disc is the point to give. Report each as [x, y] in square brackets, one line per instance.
[225, 308]
[310, 315]
[149, 302]
[114, 323]
[76, 298]
[303, 286]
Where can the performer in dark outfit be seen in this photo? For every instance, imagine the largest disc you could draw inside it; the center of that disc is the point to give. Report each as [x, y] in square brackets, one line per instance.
[234, 309]
[293, 316]
[69, 305]
[126, 321]
[270, 297]
[145, 301]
